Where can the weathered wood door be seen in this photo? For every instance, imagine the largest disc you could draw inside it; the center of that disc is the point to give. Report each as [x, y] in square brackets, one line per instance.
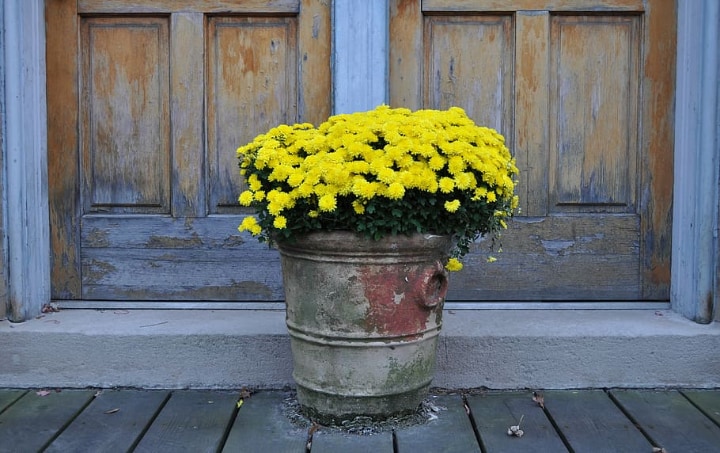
[583, 92]
[147, 102]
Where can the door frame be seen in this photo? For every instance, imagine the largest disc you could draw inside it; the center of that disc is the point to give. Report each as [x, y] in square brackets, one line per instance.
[24, 231]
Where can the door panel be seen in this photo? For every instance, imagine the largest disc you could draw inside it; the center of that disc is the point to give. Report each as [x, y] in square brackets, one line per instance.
[458, 66]
[147, 103]
[125, 123]
[251, 79]
[582, 91]
[594, 135]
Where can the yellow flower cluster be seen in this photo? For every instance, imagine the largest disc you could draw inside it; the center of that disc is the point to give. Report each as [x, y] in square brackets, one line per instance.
[360, 162]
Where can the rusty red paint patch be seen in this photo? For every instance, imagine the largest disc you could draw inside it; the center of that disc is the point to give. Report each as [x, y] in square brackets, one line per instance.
[402, 299]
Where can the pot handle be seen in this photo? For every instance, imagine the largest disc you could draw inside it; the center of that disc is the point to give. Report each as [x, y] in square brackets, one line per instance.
[435, 282]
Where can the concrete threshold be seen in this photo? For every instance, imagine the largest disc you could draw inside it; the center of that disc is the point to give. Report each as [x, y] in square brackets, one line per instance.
[503, 349]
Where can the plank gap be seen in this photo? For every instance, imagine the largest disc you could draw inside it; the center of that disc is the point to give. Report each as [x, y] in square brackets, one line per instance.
[478, 437]
[557, 429]
[68, 422]
[713, 418]
[230, 424]
[632, 419]
[151, 421]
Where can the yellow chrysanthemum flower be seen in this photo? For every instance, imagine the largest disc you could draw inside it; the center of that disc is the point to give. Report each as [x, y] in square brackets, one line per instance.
[446, 185]
[358, 207]
[452, 206]
[280, 222]
[395, 191]
[327, 203]
[453, 265]
[250, 224]
[245, 198]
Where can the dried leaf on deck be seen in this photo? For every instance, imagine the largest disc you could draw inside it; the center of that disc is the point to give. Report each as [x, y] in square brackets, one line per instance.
[245, 393]
[515, 430]
[539, 399]
[42, 392]
[112, 411]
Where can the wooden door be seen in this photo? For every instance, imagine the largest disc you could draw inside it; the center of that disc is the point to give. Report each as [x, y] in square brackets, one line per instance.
[583, 92]
[147, 103]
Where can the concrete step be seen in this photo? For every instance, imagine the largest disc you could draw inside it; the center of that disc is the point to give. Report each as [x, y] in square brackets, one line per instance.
[498, 349]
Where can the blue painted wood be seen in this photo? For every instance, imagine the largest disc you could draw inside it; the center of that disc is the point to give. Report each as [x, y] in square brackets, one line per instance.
[670, 420]
[191, 421]
[31, 422]
[261, 425]
[592, 423]
[25, 148]
[8, 397]
[334, 441]
[114, 421]
[708, 401]
[695, 250]
[360, 51]
[452, 432]
[495, 413]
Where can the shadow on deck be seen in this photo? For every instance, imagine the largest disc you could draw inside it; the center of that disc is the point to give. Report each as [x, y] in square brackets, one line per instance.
[594, 421]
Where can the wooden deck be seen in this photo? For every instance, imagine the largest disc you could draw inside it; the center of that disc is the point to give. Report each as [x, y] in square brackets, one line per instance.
[636, 421]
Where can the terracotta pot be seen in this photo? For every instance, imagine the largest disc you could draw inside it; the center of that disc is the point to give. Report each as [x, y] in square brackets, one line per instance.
[364, 318]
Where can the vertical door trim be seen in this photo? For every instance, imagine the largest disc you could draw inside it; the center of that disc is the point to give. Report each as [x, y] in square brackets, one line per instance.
[360, 36]
[27, 233]
[682, 297]
[695, 268]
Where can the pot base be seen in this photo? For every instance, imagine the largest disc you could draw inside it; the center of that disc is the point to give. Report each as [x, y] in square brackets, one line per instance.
[329, 410]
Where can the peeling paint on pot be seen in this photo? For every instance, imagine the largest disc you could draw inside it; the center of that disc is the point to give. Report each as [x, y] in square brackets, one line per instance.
[363, 318]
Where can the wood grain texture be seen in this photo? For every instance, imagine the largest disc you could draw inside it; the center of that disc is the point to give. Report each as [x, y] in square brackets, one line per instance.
[114, 421]
[451, 433]
[262, 425]
[658, 92]
[8, 397]
[314, 65]
[495, 413]
[589, 124]
[252, 87]
[708, 401]
[63, 153]
[124, 111]
[469, 62]
[532, 5]
[406, 54]
[532, 104]
[203, 6]
[18, 424]
[556, 258]
[192, 421]
[333, 442]
[592, 423]
[187, 115]
[670, 420]
[159, 130]
[594, 70]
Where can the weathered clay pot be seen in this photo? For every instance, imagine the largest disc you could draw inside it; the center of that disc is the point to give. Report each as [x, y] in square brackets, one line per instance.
[363, 318]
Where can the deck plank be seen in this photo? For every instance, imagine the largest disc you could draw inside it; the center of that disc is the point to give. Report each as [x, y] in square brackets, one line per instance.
[30, 423]
[334, 441]
[670, 420]
[261, 425]
[707, 400]
[191, 421]
[8, 396]
[451, 432]
[114, 421]
[592, 423]
[494, 413]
